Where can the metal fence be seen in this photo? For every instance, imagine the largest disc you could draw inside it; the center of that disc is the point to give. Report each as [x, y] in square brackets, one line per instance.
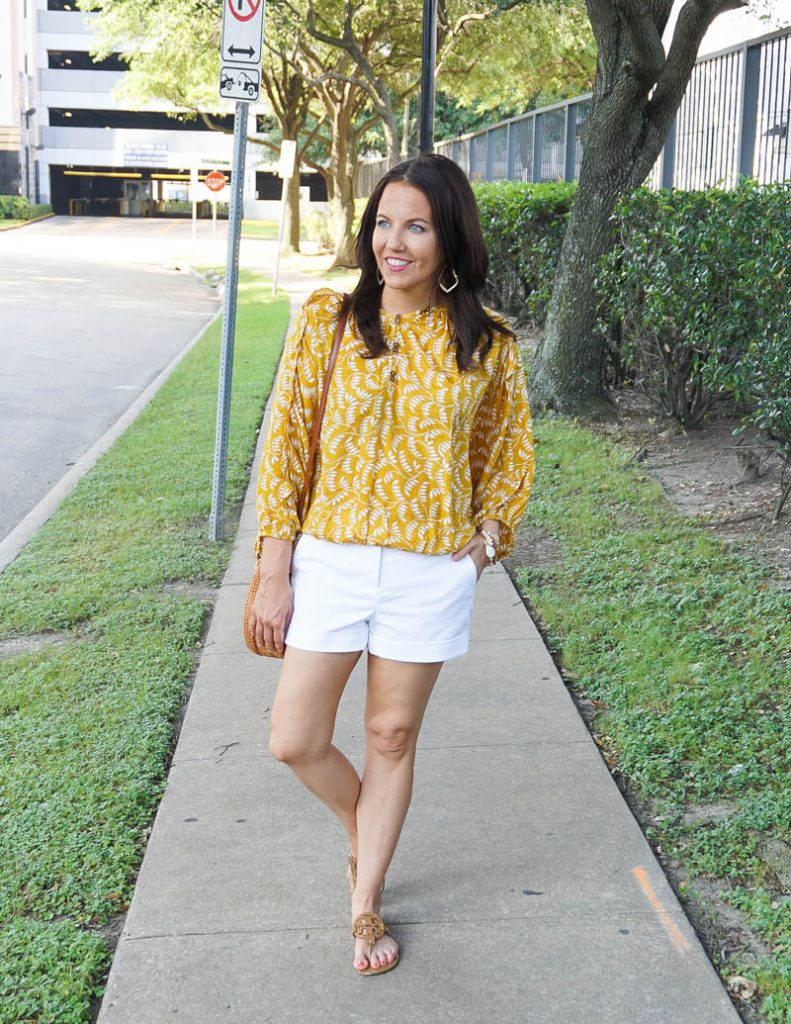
[733, 122]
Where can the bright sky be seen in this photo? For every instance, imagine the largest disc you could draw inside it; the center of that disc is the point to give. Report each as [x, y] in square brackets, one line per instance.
[737, 26]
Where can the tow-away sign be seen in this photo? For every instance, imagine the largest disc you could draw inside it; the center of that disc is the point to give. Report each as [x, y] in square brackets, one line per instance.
[240, 49]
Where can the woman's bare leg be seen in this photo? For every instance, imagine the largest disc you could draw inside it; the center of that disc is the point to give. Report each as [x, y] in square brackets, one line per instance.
[398, 693]
[302, 722]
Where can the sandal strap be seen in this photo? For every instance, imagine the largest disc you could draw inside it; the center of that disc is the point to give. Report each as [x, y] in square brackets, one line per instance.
[369, 926]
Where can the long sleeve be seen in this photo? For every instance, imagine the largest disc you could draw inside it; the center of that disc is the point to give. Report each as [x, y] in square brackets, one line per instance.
[285, 453]
[502, 459]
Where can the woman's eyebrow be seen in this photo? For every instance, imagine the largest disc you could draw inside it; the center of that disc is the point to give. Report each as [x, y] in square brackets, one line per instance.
[410, 220]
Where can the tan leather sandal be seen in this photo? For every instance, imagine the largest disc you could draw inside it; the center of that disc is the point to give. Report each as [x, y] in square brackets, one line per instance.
[352, 874]
[371, 927]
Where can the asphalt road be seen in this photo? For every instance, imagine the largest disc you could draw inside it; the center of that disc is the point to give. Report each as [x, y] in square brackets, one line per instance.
[91, 310]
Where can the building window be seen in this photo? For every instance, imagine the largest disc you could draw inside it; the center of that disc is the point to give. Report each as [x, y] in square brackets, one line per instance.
[79, 60]
[146, 119]
[267, 185]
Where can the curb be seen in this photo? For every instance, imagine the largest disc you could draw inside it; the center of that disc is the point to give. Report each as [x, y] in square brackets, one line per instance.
[33, 220]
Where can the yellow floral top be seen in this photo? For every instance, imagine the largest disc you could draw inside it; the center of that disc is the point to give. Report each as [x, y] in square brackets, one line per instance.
[413, 453]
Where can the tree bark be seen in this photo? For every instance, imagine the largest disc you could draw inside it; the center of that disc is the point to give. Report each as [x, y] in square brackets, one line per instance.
[623, 138]
[343, 157]
[291, 229]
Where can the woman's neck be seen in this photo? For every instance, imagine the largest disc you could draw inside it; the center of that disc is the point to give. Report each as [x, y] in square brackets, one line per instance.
[394, 300]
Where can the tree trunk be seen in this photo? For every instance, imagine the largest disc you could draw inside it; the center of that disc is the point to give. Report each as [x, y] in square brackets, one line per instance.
[623, 138]
[342, 210]
[342, 165]
[568, 373]
[405, 131]
[291, 227]
[390, 129]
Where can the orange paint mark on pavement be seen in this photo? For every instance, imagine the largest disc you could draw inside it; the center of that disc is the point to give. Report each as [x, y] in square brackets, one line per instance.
[679, 941]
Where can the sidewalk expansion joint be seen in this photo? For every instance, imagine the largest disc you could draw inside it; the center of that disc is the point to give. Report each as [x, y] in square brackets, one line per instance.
[217, 758]
[595, 916]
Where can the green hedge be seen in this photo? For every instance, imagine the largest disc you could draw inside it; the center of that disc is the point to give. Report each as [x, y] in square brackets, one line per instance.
[698, 285]
[694, 297]
[20, 208]
[524, 227]
[14, 208]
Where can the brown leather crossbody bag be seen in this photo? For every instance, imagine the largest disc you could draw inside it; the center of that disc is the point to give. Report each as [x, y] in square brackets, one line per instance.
[255, 583]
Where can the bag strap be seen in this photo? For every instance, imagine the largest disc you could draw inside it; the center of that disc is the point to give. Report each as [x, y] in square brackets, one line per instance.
[314, 437]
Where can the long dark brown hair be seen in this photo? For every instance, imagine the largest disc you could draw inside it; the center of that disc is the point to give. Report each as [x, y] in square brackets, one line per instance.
[458, 228]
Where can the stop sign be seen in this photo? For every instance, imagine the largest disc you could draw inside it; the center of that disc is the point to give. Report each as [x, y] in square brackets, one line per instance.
[215, 180]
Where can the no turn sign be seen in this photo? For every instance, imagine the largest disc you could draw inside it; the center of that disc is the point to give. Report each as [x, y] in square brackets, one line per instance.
[244, 10]
[242, 32]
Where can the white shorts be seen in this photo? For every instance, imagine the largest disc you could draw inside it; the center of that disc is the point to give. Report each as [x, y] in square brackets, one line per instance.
[403, 605]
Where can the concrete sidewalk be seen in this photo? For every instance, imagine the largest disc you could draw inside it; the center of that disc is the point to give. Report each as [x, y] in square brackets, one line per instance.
[522, 889]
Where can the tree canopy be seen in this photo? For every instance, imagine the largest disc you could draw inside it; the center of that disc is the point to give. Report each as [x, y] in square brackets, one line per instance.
[528, 56]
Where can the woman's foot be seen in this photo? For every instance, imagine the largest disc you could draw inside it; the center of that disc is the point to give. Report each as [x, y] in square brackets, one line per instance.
[385, 949]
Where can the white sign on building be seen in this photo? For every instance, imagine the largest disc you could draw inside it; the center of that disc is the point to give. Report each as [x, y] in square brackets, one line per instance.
[156, 154]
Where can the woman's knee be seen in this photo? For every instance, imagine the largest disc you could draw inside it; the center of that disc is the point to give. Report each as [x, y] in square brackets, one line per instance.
[391, 740]
[294, 747]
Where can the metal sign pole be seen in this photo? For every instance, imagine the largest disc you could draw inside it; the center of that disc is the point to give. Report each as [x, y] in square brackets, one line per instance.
[427, 76]
[228, 323]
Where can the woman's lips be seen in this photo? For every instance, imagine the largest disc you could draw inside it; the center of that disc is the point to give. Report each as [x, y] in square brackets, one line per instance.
[397, 266]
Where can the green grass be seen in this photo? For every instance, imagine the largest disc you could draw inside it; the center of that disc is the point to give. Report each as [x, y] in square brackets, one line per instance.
[260, 229]
[688, 649]
[86, 722]
[268, 229]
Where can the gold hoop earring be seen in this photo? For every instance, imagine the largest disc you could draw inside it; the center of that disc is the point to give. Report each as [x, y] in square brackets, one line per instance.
[379, 278]
[455, 283]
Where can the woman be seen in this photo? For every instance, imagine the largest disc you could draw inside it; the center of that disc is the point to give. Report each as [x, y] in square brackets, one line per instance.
[424, 466]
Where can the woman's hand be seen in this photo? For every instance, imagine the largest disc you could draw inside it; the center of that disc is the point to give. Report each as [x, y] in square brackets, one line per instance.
[475, 548]
[271, 611]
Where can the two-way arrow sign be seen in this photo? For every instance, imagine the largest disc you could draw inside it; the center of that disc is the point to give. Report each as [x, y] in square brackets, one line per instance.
[242, 31]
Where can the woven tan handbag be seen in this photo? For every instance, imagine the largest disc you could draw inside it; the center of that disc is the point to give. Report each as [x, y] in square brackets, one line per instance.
[255, 583]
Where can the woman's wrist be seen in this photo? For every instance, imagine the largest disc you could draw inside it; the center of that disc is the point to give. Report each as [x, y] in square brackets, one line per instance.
[492, 526]
[274, 559]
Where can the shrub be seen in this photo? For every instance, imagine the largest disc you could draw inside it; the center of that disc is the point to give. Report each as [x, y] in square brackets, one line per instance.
[683, 285]
[317, 225]
[14, 208]
[756, 369]
[524, 227]
[660, 284]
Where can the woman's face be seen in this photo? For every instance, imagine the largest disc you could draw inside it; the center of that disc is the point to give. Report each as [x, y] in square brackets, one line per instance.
[406, 246]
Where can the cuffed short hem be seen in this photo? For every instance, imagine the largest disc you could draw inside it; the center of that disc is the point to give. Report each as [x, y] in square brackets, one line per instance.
[443, 650]
[328, 643]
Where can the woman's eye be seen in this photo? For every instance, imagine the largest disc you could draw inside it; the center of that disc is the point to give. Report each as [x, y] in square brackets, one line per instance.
[381, 223]
[416, 227]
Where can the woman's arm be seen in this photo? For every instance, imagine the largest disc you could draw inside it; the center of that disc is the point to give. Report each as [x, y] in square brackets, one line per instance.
[501, 450]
